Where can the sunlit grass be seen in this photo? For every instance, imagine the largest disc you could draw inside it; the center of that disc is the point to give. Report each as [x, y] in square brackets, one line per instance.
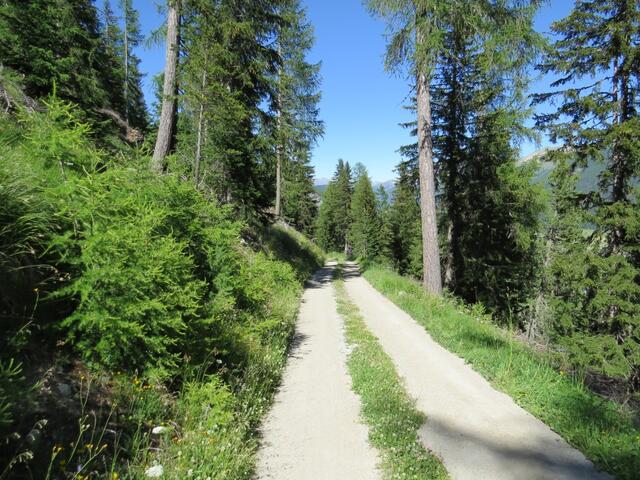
[601, 429]
[386, 408]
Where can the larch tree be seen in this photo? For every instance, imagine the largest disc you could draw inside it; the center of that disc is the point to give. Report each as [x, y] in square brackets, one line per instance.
[416, 27]
[166, 125]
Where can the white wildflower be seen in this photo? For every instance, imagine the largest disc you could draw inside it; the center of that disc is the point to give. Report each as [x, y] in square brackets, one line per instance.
[159, 429]
[154, 472]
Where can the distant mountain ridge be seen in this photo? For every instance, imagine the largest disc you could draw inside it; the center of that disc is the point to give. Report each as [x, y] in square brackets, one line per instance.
[587, 182]
[321, 185]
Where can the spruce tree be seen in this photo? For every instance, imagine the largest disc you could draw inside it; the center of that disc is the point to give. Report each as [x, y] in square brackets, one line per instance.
[54, 42]
[226, 77]
[299, 198]
[334, 217]
[135, 109]
[406, 243]
[596, 61]
[366, 226]
[296, 99]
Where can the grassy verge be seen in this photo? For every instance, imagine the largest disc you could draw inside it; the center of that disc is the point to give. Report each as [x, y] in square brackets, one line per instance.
[391, 415]
[216, 421]
[603, 430]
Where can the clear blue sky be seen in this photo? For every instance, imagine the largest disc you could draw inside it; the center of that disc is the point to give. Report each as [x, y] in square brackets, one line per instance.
[362, 104]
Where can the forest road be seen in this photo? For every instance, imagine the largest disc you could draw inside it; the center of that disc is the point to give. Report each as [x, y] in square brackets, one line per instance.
[478, 432]
[313, 430]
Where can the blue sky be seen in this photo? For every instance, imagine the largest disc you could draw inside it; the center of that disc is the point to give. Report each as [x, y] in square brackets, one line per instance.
[362, 104]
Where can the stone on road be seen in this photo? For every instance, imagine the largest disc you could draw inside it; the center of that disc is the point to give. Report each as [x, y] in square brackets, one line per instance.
[313, 430]
[478, 432]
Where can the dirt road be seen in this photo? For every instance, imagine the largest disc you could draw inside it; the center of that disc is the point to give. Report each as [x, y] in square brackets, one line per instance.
[478, 432]
[313, 431]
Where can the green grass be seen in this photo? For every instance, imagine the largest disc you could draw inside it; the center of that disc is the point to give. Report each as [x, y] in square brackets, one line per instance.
[387, 409]
[602, 430]
[291, 246]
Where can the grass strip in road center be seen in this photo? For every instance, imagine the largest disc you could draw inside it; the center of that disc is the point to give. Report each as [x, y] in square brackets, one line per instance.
[387, 409]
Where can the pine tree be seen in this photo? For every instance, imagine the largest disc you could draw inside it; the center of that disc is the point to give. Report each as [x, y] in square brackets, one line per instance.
[595, 58]
[366, 226]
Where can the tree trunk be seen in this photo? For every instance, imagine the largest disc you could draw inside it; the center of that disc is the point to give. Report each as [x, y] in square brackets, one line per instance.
[126, 62]
[279, 139]
[278, 182]
[167, 115]
[196, 168]
[431, 279]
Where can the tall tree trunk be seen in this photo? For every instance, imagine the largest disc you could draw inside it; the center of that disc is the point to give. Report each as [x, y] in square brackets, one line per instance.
[126, 61]
[200, 130]
[167, 115]
[279, 140]
[431, 279]
[279, 182]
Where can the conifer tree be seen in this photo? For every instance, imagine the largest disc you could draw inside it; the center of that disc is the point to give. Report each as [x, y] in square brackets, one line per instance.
[406, 243]
[296, 99]
[135, 109]
[489, 210]
[366, 226]
[230, 61]
[166, 126]
[416, 38]
[299, 198]
[596, 61]
[334, 217]
[52, 42]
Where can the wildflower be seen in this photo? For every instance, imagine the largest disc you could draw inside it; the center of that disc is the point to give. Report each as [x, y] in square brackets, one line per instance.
[154, 472]
[36, 289]
[159, 429]
[190, 472]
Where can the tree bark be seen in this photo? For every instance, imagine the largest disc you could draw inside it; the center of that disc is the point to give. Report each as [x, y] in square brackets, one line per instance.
[432, 280]
[167, 115]
[279, 182]
[279, 139]
[126, 61]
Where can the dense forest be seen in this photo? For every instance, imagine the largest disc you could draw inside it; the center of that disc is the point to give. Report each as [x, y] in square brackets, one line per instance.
[152, 258]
